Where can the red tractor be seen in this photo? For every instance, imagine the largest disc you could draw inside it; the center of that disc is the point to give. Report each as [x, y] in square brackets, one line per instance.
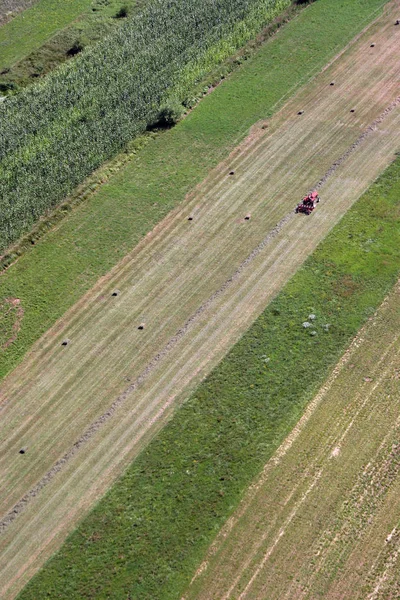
[308, 203]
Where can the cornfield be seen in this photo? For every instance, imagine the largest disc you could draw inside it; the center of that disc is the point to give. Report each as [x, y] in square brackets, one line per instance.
[55, 133]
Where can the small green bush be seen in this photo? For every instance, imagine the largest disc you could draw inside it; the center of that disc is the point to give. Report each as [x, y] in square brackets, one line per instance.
[76, 48]
[122, 13]
[168, 116]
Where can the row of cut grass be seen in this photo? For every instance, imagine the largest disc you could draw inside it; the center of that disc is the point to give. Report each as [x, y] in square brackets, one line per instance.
[147, 536]
[51, 276]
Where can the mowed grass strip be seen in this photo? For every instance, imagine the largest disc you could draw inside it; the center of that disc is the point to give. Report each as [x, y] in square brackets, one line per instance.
[147, 536]
[68, 261]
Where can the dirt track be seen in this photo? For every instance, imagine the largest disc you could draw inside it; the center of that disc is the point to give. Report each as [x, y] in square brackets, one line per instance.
[323, 519]
[84, 410]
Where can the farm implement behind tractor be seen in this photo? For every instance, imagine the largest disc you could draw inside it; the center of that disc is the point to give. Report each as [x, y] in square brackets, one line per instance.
[308, 203]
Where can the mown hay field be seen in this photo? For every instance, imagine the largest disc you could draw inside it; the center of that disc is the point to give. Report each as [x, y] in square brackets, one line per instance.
[56, 271]
[150, 533]
[181, 268]
[323, 518]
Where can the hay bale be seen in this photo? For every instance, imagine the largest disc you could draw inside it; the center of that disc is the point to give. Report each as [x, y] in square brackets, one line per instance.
[141, 326]
[301, 112]
[65, 342]
[115, 293]
[231, 172]
[23, 450]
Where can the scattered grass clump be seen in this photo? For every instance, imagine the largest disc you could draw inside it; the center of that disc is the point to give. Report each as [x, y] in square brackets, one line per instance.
[147, 536]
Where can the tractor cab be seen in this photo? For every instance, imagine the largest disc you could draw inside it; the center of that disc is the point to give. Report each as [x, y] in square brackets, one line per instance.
[308, 203]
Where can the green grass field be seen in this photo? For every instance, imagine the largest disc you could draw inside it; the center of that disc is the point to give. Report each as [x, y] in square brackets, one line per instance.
[148, 535]
[29, 29]
[66, 262]
[40, 38]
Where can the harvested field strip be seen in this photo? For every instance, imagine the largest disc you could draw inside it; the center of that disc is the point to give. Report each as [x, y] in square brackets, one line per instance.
[323, 519]
[166, 279]
[148, 534]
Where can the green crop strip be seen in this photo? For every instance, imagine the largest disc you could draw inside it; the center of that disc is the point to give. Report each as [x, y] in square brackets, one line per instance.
[56, 133]
[50, 277]
[147, 536]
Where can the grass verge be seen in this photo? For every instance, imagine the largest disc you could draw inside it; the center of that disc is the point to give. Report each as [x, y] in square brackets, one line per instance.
[146, 537]
[52, 32]
[58, 269]
[29, 29]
